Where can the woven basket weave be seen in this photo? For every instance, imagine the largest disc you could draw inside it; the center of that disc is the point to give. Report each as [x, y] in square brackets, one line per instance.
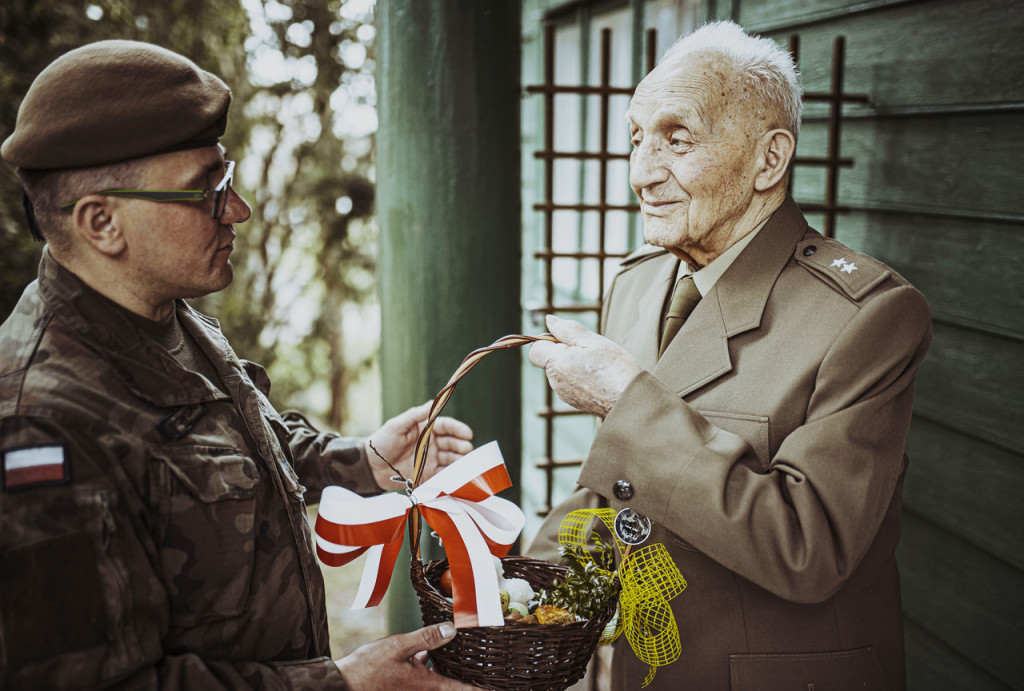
[515, 656]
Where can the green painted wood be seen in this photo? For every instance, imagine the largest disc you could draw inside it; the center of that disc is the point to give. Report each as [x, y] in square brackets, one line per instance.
[785, 12]
[942, 52]
[968, 162]
[964, 597]
[989, 514]
[964, 267]
[932, 665]
[974, 383]
[448, 209]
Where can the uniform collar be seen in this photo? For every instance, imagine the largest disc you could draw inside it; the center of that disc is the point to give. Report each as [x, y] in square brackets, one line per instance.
[138, 361]
[699, 354]
[706, 277]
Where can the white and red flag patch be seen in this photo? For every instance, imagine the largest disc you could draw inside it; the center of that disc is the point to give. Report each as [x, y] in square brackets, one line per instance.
[35, 465]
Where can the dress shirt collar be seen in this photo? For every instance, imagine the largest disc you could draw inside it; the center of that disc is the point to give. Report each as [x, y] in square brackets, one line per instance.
[706, 277]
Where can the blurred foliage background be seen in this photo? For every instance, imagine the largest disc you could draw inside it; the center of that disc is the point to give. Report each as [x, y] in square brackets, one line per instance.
[301, 127]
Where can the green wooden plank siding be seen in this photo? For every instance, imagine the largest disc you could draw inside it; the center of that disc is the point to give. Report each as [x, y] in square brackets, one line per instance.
[936, 193]
[952, 162]
[943, 462]
[931, 664]
[942, 53]
[973, 383]
[963, 596]
[952, 260]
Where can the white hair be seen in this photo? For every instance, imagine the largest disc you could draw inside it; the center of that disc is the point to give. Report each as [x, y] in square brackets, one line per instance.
[769, 67]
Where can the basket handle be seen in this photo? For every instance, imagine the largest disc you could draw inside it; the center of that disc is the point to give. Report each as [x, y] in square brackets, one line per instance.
[423, 442]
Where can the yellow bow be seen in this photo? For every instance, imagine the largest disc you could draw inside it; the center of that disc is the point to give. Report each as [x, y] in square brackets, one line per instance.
[649, 579]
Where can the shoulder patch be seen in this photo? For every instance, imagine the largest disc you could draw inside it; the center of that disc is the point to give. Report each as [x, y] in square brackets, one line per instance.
[850, 271]
[34, 466]
[642, 254]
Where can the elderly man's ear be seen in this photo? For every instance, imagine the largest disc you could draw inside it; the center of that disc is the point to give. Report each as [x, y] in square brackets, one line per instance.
[96, 223]
[776, 149]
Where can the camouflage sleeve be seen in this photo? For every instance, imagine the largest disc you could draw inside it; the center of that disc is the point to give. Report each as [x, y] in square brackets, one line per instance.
[82, 600]
[191, 672]
[321, 458]
[324, 458]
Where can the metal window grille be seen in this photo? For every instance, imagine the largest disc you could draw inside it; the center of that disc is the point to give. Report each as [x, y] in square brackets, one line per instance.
[832, 161]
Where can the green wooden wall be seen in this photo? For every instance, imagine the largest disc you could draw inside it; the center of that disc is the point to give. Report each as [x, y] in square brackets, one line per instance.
[936, 193]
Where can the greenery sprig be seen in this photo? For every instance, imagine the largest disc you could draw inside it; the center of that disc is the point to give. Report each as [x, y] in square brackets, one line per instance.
[589, 585]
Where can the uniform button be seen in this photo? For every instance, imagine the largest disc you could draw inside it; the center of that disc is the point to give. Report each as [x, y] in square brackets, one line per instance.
[810, 250]
[623, 490]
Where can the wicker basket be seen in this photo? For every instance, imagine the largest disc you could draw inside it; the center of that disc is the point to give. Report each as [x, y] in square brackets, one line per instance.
[515, 656]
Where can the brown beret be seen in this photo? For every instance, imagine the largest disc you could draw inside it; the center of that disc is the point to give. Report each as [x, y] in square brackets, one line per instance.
[113, 101]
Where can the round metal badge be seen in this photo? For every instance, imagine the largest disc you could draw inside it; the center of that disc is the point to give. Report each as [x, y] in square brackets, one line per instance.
[631, 527]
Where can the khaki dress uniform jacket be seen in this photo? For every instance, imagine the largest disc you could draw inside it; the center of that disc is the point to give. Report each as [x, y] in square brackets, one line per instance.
[767, 447]
[165, 544]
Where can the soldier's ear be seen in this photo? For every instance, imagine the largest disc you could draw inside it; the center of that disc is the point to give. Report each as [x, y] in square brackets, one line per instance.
[776, 150]
[96, 223]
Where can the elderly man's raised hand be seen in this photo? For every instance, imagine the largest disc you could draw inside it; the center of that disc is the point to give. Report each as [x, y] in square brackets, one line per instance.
[399, 662]
[586, 370]
[396, 441]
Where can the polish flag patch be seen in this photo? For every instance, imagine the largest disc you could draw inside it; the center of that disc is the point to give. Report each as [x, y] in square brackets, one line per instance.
[34, 466]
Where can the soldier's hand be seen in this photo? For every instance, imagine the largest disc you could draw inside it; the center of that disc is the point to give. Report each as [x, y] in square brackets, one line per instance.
[586, 370]
[399, 662]
[396, 441]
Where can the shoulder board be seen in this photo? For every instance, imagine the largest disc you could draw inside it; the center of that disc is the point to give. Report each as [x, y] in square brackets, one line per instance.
[642, 254]
[849, 271]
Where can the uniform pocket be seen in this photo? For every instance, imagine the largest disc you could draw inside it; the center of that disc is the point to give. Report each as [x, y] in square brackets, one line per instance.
[752, 428]
[208, 501]
[64, 590]
[838, 670]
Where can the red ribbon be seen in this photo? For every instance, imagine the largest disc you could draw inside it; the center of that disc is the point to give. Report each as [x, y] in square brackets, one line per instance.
[459, 503]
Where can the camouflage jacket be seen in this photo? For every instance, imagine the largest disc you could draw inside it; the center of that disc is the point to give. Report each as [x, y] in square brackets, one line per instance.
[153, 531]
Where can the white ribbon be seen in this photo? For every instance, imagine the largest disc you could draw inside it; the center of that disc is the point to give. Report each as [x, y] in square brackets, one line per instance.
[458, 503]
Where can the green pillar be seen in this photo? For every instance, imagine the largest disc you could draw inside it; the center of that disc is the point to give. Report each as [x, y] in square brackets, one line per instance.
[448, 85]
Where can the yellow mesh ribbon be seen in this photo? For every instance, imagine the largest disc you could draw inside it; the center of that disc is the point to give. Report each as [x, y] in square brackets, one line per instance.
[649, 579]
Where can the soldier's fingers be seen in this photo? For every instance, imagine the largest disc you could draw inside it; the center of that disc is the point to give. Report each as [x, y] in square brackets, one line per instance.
[426, 638]
[449, 426]
[413, 415]
[450, 450]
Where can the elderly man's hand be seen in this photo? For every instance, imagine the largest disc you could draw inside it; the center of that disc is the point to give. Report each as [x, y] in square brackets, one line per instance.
[587, 371]
[398, 662]
[396, 441]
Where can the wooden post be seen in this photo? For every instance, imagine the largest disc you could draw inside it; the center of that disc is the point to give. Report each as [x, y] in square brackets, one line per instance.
[448, 208]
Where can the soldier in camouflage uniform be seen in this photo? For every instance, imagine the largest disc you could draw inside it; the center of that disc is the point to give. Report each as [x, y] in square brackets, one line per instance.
[153, 528]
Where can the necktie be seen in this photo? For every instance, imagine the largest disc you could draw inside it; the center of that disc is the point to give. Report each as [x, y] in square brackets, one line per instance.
[685, 297]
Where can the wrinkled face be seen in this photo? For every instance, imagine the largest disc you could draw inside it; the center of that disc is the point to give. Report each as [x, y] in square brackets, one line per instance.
[694, 159]
[177, 250]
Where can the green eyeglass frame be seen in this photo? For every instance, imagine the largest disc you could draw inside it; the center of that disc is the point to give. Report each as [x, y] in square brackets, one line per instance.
[219, 194]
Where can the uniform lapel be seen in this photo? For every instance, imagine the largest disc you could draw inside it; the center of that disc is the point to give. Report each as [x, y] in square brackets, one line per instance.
[699, 354]
[642, 340]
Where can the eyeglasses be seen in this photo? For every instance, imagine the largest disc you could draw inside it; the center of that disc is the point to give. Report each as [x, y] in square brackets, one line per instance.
[219, 194]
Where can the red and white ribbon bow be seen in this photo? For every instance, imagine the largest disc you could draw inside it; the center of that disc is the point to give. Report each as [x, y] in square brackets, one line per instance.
[458, 503]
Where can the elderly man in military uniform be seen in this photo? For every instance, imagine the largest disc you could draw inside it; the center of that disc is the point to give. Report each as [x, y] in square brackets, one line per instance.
[755, 385]
[153, 529]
